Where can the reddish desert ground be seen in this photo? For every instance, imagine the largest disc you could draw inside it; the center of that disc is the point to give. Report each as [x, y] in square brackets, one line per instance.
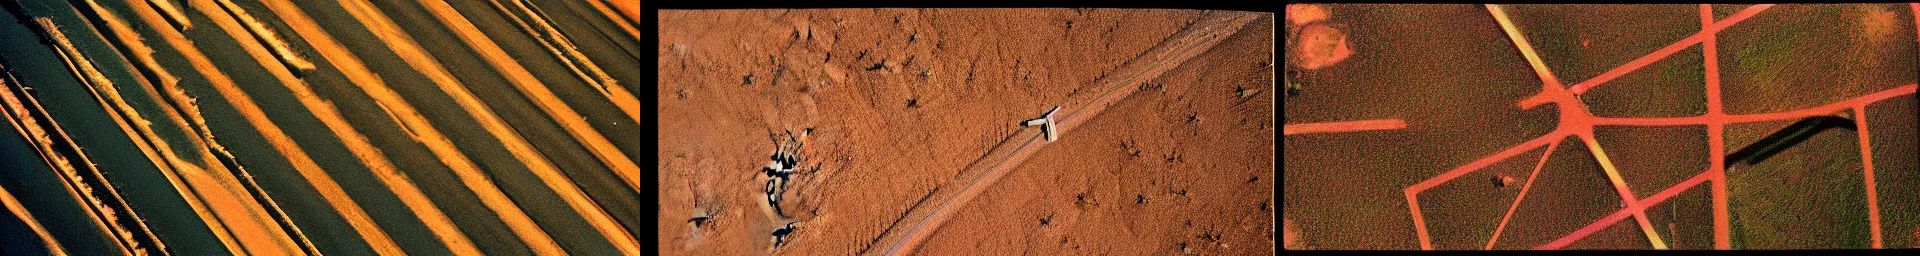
[900, 101]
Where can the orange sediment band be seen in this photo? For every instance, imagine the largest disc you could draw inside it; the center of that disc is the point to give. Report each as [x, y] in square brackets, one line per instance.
[1349, 126]
[616, 17]
[137, 130]
[20, 211]
[173, 15]
[562, 48]
[536, 91]
[573, 122]
[329, 115]
[178, 108]
[130, 44]
[417, 57]
[259, 222]
[266, 35]
[409, 194]
[17, 114]
[242, 217]
[630, 9]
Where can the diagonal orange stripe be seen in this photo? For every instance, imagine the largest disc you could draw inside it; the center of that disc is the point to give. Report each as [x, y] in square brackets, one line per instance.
[1626, 194]
[1349, 126]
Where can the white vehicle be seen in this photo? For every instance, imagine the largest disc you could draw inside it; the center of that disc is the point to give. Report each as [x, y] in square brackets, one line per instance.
[1046, 124]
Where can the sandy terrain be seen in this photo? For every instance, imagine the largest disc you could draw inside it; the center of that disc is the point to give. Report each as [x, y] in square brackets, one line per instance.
[901, 100]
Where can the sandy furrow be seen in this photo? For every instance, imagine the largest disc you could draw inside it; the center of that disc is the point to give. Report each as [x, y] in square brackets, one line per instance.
[251, 192]
[75, 183]
[629, 8]
[617, 18]
[248, 219]
[17, 114]
[324, 184]
[178, 19]
[403, 188]
[257, 236]
[417, 56]
[608, 86]
[220, 218]
[178, 108]
[416, 124]
[469, 174]
[19, 211]
[534, 90]
[563, 49]
[268, 221]
[130, 44]
[294, 62]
